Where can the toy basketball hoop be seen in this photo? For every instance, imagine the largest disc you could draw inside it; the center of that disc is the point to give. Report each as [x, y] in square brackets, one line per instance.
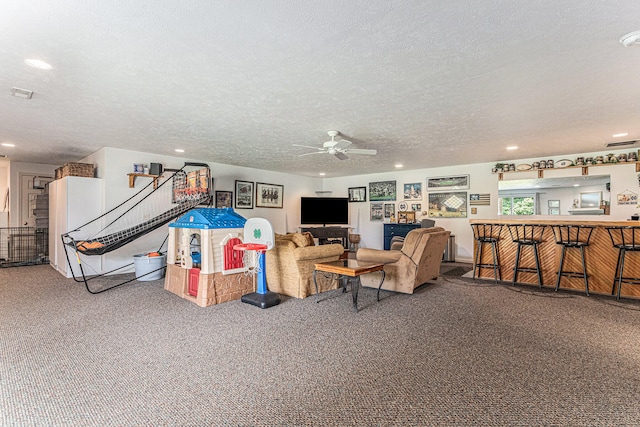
[252, 254]
[250, 247]
[258, 237]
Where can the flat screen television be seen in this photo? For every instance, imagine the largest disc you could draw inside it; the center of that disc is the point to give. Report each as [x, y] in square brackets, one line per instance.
[324, 210]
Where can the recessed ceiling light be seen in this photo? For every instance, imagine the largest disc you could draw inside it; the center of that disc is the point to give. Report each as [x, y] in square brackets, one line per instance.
[8, 144]
[619, 135]
[576, 185]
[322, 174]
[399, 165]
[630, 39]
[36, 63]
[512, 147]
[179, 150]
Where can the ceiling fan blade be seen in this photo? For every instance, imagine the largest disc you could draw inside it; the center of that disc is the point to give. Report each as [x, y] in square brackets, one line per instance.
[308, 154]
[308, 146]
[362, 151]
[340, 155]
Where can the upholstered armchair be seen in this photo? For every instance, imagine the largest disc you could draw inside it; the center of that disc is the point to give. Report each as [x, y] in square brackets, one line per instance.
[291, 261]
[415, 263]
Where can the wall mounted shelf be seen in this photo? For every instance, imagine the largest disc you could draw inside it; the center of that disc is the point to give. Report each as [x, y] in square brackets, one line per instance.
[585, 169]
[133, 176]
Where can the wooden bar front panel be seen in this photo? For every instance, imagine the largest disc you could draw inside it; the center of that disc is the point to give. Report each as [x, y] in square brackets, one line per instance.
[601, 258]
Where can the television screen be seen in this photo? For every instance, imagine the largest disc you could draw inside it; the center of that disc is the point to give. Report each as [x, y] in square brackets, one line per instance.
[324, 210]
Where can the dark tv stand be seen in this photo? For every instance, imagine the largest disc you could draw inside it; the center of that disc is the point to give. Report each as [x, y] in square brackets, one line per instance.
[328, 235]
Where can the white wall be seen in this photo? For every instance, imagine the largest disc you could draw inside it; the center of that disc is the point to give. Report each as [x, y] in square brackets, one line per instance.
[623, 178]
[113, 165]
[4, 189]
[4, 182]
[371, 232]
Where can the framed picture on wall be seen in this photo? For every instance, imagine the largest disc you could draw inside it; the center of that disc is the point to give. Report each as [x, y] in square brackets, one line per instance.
[442, 183]
[448, 205]
[377, 213]
[244, 195]
[358, 194]
[413, 191]
[269, 195]
[224, 199]
[382, 191]
[389, 210]
[406, 217]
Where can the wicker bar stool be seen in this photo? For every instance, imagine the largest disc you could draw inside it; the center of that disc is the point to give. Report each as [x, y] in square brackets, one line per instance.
[487, 234]
[625, 239]
[527, 235]
[573, 236]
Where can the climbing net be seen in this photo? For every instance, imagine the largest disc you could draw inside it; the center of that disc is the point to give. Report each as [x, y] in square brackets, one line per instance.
[153, 206]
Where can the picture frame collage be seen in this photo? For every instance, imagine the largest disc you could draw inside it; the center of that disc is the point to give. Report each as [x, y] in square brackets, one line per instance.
[383, 197]
[444, 199]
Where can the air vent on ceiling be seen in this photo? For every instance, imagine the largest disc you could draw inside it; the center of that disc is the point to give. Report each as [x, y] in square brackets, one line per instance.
[21, 93]
[620, 144]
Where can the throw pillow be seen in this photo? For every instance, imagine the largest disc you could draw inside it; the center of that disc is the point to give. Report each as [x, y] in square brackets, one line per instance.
[283, 236]
[310, 240]
[300, 240]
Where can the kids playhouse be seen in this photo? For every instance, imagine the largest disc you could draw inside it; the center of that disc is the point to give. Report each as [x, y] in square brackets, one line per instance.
[202, 265]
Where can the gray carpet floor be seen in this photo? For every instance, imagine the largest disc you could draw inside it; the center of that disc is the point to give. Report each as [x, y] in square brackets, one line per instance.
[456, 353]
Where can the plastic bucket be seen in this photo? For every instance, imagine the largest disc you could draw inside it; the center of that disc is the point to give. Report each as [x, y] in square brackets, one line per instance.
[144, 264]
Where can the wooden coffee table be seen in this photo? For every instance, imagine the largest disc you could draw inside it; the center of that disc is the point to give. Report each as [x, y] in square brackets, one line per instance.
[349, 270]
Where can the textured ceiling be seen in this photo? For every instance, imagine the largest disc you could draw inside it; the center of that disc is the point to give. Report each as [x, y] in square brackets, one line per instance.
[426, 83]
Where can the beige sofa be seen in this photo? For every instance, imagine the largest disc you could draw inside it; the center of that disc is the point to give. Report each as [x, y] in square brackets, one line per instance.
[290, 264]
[415, 263]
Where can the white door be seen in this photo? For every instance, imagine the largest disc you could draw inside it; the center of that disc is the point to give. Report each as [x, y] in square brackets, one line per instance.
[27, 200]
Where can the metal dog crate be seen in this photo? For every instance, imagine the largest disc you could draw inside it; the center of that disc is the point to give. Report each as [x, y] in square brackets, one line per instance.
[23, 246]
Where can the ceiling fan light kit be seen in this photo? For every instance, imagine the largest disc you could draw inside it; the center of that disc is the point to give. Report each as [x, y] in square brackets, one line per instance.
[338, 148]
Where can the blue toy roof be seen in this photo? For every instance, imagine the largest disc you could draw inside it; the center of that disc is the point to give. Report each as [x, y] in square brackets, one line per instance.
[206, 218]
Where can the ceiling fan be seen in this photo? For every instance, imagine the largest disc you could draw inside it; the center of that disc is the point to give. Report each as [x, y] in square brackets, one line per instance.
[339, 148]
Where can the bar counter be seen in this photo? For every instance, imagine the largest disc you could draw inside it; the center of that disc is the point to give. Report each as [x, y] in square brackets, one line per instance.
[600, 256]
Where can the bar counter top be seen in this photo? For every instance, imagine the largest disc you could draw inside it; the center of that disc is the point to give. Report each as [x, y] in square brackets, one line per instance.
[555, 222]
[600, 256]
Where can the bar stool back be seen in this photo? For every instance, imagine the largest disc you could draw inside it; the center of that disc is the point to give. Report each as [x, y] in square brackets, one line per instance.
[572, 236]
[487, 234]
[527, 235]
[625, 239]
